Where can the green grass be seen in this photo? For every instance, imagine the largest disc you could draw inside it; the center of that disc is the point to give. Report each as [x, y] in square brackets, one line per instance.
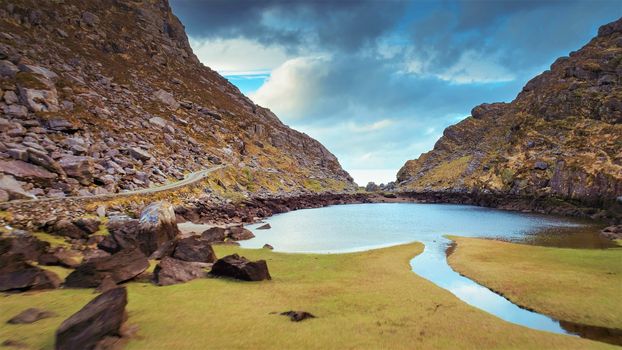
[55, 241]
[577, 285]
[368, 300]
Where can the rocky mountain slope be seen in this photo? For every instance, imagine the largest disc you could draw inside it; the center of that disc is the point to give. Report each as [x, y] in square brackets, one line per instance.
[561, 137]
[104, 96]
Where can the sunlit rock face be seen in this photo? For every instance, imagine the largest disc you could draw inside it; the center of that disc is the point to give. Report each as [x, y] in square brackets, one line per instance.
[107, 96]
[561, 136]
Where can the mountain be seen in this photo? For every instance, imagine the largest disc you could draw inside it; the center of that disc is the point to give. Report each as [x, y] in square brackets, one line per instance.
[561, 137]
[101, 96]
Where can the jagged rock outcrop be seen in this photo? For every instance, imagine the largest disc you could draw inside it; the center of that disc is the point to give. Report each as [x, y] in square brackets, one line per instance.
[561, 136]
[103, 96]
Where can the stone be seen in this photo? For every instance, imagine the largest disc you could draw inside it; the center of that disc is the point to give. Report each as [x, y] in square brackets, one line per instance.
[61, 257]
[297, 316]
[30, 315]
[539, 165]
[69, 229]
[10, 343]
[26, 171]
[140, 154]
[13, 188]
[121, 267]
[41, 158]
[10, 97]
[42, 71]
[194, 249]
[8, 69]
[39, 100]
[88, 225]
[100, 318]
[214, 234]
[166, 98]
[90, 18]
[172, 271]
[106, 284]
[16, 275]
[4, 196]
[238, 267]
[63, 125]
[15, 110]
[612, 232]
[264, 227]
[158, 225]
[26, 245]
[268, 246]
[80, 168]
[239, 233]
[157, 121]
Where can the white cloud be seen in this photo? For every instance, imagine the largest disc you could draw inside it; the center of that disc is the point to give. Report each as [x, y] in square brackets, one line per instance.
[381, 124]
[293, 87]
[472, 67]
[231, 56]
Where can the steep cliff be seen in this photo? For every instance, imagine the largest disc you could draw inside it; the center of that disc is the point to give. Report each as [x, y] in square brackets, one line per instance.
[100, 96]
[560, 137]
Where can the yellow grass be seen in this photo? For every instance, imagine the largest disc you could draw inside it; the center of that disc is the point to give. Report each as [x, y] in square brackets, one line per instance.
[577, 285]
[368, 300]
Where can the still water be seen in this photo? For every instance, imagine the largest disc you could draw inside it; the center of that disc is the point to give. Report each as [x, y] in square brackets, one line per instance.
[357, 227]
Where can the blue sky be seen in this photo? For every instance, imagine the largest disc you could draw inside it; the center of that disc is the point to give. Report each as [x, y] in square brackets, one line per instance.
[377, 81]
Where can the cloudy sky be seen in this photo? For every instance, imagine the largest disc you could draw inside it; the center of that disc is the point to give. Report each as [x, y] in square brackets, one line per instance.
[377, 81]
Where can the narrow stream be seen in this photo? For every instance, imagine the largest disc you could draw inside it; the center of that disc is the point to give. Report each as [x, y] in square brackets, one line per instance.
[358, 227]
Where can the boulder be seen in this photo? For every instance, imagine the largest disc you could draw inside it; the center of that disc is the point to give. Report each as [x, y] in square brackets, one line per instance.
[80, 168]
[41, 158]
[172, 271]
[268, 246]
[121, 267]
[241, 268]
[14, 188]
[139, 153]
[26, 245]
[214, 234]
[39, 100]
[63, 125]
[88, 225]
[61, 257]
[30, 315]
[16, 275]
[158, 225]
[194, 249]
[102, 317]
[239, 233]
[77, 229]
[26, 171]
[612, 232]
[8, 69]
[264, 227]
[166, 98]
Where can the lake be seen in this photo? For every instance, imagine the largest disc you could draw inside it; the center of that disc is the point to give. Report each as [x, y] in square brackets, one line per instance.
[357, 227]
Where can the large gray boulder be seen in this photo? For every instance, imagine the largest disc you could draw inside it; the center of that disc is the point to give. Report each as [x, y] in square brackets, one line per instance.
[172, 271]
[239, 267]
[120, 267]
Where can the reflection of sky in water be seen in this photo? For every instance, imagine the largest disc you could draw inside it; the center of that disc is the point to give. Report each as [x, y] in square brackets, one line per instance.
[347, 228]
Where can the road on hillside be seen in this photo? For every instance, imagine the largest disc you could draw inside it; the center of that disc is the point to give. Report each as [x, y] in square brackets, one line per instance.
[188, 180]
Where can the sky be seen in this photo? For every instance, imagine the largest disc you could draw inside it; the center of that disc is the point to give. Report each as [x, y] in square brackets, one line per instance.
[377, 82]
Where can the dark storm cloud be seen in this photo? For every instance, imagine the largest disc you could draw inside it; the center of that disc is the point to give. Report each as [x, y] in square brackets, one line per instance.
[343, 24]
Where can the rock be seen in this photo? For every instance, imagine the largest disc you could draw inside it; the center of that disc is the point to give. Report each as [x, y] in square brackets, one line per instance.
[172, 271]
[41, 158]
[10, 97]
[29, 247]
[16, 275]
[241, 268]
[297, 316]
[612, 232]
[166, 249]
[13, 188]
[158, 225]
[26, 171]
[73, 229]
[268, 246]
[39, 100]
[100, 318]
[239, 233]
[157, 121]
[42, 71]
[10, 343]
[101, 211]
[79, 167]
[194, 249]
[61, 257]
[107, 284]
[90, 19]
[166, 98]
[30, 315]
[214, 234]
[121, 267]
[539, 165]
[140, 154]
[63, 125]
[8, 69]
[4, 196]
[264, 227]
[88, 225]
[18, 111]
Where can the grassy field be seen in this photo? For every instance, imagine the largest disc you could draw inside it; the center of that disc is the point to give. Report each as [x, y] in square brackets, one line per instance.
[577, 285]
[368, 300]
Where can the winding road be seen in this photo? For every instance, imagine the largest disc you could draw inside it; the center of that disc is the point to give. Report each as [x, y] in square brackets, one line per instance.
[188, 180]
